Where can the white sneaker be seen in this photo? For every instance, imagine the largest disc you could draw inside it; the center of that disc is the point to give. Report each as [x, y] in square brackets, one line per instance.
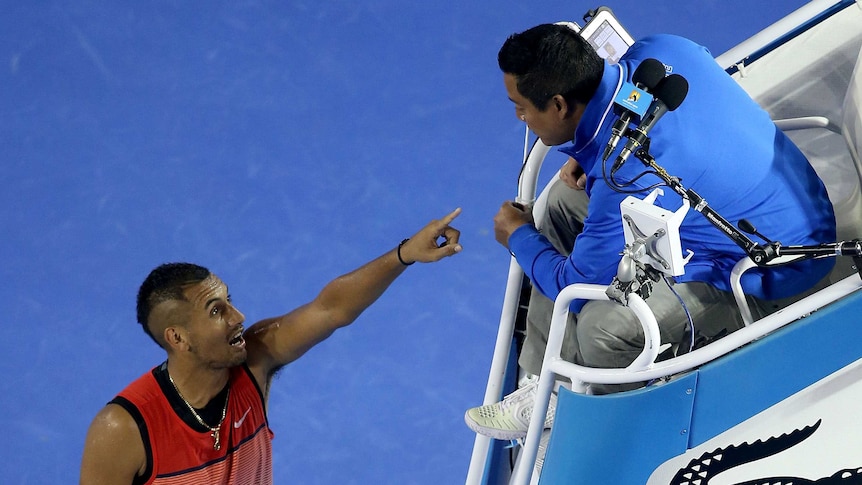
[510, 418]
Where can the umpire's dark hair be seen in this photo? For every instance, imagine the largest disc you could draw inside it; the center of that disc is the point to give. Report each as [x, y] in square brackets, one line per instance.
[165, 283]
[552, 59]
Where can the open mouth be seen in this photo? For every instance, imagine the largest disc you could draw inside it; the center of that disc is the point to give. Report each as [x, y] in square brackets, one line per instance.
[237, 340]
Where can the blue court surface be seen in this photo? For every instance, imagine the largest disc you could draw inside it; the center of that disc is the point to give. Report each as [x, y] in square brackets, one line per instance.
[280, 144]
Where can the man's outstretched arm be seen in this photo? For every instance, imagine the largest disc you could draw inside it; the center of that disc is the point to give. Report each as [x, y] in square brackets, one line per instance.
[275, 342]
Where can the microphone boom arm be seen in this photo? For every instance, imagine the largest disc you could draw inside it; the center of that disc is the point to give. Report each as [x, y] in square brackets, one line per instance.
[773, 253]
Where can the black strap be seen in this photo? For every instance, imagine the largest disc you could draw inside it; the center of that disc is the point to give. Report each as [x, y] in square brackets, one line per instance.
[145, 436]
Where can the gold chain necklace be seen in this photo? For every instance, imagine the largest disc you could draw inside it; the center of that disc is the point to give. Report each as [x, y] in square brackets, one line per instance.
[214, 432]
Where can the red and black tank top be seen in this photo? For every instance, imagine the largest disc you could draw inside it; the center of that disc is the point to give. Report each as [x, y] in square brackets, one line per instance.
[180, 450]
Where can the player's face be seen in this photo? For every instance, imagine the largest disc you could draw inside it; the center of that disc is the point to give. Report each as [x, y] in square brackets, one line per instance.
[215, 325]
[555, 125]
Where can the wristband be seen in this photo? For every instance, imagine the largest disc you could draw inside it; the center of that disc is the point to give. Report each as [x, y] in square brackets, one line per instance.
[398, 252]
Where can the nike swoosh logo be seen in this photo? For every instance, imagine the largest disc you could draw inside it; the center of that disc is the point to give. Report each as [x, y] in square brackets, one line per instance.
[237, 424]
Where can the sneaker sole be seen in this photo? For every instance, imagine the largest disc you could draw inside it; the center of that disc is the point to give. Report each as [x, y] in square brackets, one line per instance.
[495, 433]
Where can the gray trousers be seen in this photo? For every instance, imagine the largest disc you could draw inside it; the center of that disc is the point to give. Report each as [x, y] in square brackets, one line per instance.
[607, 334]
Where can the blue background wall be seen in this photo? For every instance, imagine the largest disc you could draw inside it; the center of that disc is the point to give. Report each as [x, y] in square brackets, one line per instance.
[280, 144]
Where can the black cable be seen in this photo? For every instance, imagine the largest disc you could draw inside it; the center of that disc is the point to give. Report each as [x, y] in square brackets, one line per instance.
[622, 187]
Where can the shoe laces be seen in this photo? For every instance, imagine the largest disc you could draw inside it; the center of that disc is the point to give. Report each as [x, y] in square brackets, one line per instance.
[521, 394]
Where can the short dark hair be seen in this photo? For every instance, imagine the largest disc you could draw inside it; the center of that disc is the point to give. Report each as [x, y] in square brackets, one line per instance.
[165, 283]
[552, 59]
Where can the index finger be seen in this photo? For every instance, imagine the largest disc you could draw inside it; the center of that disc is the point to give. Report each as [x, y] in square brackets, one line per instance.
[450, 216]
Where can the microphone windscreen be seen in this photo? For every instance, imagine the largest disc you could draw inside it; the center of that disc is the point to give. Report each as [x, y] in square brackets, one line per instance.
[649, 73]
[672, 90]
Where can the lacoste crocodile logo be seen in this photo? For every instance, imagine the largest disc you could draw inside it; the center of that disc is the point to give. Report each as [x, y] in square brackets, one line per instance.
[701, 470]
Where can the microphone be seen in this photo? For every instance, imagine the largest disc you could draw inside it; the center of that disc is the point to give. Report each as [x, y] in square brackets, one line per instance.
[669, 94]
[631, 99]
